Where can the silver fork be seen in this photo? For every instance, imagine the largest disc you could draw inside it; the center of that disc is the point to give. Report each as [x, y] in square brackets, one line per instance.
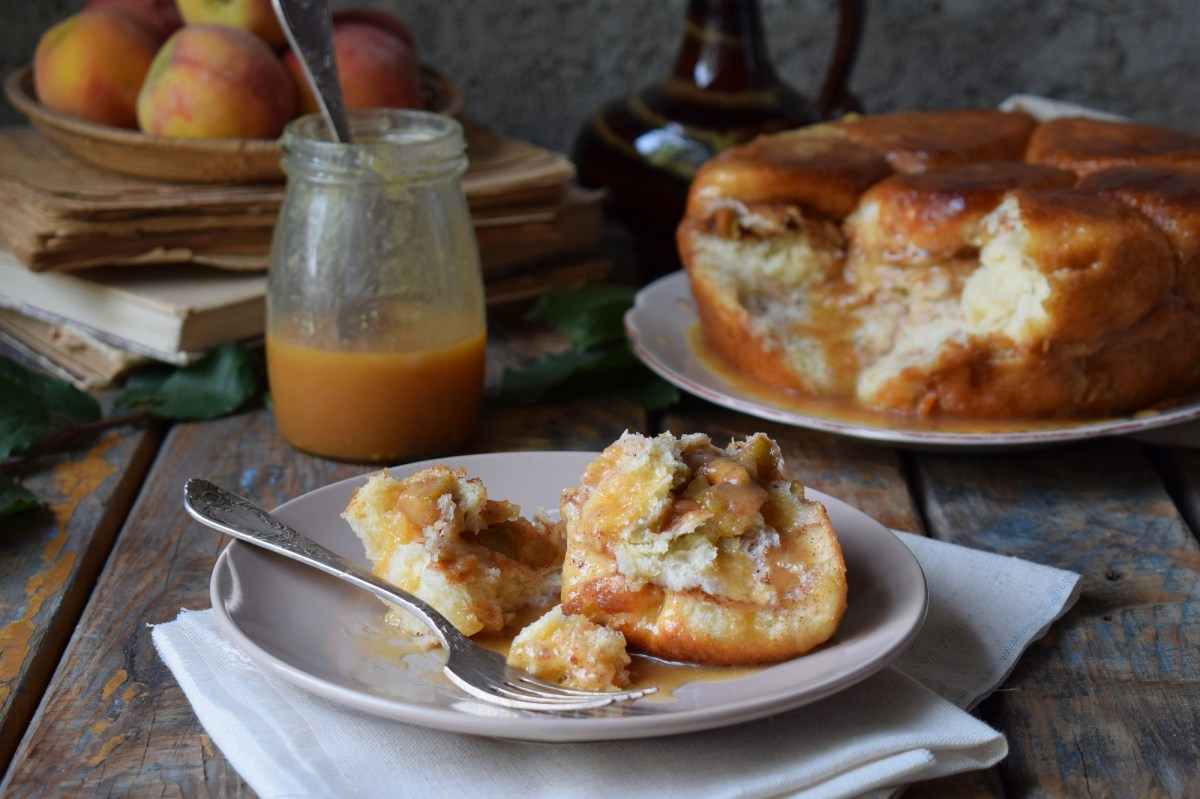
[480, 672]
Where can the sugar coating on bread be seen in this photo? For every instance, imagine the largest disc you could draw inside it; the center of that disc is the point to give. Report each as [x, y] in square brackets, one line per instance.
[573, 651]
[699, 553]
[436, 534]
[964, 285]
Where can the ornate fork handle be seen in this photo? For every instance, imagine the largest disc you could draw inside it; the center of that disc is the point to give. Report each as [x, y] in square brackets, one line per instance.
[241, 518]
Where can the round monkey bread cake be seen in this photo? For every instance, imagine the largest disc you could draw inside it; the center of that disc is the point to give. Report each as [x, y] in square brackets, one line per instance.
[972, 263]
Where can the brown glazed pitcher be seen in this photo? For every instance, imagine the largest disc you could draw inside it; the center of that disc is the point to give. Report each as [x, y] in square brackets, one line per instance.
[723, 90]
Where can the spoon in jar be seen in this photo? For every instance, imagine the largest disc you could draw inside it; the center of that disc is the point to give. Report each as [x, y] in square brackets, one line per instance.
[308, 26]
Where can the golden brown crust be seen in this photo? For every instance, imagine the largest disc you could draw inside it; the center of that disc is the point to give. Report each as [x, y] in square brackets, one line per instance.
[822, 174]
[1107, 264]
[700, 554]
[919, 141]
[933, 217]
[1170, 197]
[1085, 145]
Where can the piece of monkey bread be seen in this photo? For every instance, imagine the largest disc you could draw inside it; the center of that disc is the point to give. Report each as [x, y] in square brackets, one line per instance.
[436, 534]
[701, 554]
[572, 651]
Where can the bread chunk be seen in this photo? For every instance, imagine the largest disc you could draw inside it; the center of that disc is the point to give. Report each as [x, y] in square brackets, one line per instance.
[702, 554]
[1170, 197]
[920, 141]
[932, 218]
[572, 651]
[436, 534]
[814, 169]
[759, 300]
[1086, 145]
[1035, 319]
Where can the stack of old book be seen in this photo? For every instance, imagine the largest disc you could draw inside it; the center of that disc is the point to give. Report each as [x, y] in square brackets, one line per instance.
[99, 271]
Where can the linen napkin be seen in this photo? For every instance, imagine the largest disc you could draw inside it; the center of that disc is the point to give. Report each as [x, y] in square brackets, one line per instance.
[905, 723]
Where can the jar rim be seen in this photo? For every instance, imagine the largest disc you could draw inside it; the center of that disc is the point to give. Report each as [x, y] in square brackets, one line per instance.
[392, 139]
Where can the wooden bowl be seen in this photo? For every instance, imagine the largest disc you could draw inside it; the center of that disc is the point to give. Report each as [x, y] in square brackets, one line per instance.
[170, 158]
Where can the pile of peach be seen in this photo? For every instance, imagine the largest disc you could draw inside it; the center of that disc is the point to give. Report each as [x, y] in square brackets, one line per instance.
[211, 68]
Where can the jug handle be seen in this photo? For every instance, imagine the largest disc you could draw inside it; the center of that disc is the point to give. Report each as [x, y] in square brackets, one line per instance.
[836, 99]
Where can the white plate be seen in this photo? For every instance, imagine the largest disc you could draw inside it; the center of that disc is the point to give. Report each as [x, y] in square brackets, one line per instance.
[661, 327]
[328, 637]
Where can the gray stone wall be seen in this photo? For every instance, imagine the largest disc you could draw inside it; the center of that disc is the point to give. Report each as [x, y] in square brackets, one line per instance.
[536, 69]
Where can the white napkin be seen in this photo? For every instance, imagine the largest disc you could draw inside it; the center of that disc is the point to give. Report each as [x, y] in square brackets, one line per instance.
[904, 724]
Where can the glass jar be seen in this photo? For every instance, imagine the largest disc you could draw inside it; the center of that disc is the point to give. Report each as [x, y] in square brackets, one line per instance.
[376, 318]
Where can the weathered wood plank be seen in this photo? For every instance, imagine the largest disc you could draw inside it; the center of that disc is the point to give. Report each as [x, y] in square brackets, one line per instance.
[51, 559]
[1107, 703]
[581, 426]
[113, 714]
[1179, 469]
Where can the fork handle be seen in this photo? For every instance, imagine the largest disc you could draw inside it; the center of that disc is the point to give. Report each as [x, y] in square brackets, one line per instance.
[239, 517]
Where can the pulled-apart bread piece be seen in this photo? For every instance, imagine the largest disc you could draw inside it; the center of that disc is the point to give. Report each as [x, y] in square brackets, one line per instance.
[701, 554]
[929, 221]
[762, 233]
[436, 534]
[572, 651]
[1038, 326]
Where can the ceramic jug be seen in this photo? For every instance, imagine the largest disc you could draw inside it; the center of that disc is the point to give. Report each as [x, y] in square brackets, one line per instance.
[722, 91]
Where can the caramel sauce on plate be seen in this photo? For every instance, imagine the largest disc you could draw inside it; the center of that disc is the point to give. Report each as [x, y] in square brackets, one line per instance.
[644, 671]
[382, 643]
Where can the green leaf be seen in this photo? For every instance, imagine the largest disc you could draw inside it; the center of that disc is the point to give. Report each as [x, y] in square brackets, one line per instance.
[23, 417]
[533, 380]
[60, 397]
[218, 384]
[591, 315]
[599, 361]
[651, 391]
[15, 498]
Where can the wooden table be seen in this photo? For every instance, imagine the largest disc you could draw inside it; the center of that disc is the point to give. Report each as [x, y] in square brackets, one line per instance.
[1107, 704]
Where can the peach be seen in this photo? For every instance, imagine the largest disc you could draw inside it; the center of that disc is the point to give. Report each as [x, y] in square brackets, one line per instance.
[256, 16]
[214, 81]
[376, 69]
[162, 14]
[91, 65]
[380, 19]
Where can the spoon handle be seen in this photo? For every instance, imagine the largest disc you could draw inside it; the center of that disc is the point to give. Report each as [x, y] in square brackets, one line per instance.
[308, 26]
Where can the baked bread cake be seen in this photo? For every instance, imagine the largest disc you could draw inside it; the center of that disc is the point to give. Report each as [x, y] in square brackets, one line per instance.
[436, 534]
[1003, 268]
[702, 554]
